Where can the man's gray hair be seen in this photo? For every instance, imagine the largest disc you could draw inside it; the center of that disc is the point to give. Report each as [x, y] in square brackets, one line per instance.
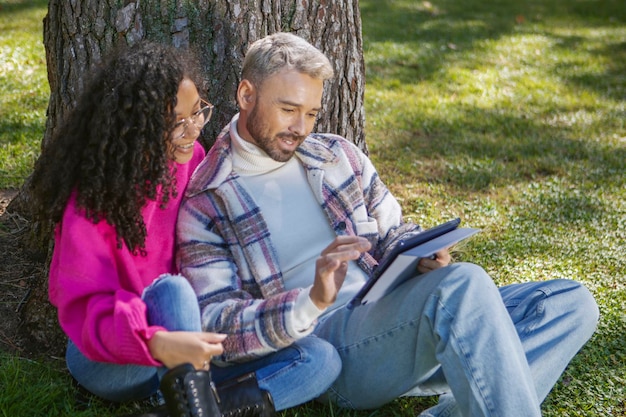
[271, 54]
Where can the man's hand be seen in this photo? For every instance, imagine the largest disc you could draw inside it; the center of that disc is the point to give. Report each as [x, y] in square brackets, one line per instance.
[176, 348]
[331, 268]
[441, 259]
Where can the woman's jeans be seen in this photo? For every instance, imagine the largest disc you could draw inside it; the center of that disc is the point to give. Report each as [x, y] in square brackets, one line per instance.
[293, 375]
[498, 351]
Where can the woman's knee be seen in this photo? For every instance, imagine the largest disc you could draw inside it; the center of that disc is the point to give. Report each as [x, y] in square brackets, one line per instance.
[172, 303]
[172, 289]
[171, 284]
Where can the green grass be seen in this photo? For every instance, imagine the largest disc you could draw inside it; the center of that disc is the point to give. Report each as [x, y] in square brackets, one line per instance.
[24, 89]
[511, 115]
[42, 388]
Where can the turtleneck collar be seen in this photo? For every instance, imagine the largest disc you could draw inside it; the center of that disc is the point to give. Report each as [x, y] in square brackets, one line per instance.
[249, 159]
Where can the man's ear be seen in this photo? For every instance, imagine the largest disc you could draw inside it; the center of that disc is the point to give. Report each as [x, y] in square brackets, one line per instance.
[246, 95]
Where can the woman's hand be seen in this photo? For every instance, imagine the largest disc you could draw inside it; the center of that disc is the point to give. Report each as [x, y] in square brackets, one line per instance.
[441, 259]
[176, 348]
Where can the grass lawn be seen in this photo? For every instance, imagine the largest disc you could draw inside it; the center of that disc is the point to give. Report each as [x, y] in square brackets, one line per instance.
[24, 89]
[510, 115]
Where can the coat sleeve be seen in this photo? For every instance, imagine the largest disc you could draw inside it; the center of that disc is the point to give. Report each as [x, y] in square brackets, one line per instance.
[381, 206]
[259, 319]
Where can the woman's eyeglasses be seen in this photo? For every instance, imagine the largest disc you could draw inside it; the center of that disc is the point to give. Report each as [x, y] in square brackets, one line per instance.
[199, 119]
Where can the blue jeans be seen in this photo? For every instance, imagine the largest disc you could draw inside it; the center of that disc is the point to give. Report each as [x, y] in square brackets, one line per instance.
[293, 375]
[491, 351]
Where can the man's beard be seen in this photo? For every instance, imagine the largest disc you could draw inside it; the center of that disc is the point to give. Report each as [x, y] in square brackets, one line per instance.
[258, 130]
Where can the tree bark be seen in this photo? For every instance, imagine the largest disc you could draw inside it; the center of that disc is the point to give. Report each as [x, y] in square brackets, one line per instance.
[77, 33]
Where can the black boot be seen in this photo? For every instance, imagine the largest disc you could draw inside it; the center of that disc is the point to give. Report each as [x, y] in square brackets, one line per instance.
[189, 393]
[242, 397]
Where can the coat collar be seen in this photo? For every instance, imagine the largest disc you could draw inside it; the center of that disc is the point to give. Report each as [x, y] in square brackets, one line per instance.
[217, 166]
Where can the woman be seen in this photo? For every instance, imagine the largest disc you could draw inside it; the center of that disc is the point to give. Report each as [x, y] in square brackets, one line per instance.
[111, 182]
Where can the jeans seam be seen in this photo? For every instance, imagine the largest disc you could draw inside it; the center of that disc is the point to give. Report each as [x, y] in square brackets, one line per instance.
[284, 369]
[339, 399]
[538, 312]
[387, 332]
[335, 395]
[464, 356]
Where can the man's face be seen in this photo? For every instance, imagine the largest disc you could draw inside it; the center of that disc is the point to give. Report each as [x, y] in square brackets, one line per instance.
[282, 113]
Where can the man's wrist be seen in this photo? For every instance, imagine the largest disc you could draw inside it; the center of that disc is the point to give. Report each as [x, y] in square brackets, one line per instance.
[305, 312]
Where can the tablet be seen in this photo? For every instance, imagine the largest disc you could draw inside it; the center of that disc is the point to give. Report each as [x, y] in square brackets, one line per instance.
[401, 263]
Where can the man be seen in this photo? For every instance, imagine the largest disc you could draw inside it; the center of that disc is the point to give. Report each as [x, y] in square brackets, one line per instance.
[281, 227]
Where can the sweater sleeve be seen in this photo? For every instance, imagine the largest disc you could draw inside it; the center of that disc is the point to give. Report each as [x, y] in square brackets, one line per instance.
[103, 316]
[97, 287]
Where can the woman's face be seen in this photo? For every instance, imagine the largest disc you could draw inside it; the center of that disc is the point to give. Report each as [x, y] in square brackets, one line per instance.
[188, 105]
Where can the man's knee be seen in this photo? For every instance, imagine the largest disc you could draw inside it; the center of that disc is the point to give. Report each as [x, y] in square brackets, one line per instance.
[467, 279]
[578, 302]
[467, 270]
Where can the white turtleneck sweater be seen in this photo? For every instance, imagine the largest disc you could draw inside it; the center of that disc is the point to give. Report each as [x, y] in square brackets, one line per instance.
[299, 228]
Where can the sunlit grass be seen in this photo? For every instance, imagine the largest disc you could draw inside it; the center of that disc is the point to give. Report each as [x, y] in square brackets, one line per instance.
[511, 115]
[514, 120]
[24, 89]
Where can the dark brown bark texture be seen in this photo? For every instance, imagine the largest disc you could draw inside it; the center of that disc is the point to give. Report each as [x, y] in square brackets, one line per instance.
[77, 33]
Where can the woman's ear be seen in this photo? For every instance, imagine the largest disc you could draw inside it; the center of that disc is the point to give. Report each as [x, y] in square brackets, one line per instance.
[246, 95]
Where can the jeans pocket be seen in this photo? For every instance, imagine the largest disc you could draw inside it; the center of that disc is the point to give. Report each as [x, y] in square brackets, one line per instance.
[527, 312]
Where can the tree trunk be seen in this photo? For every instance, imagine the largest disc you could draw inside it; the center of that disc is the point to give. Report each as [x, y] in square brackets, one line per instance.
[77, 33]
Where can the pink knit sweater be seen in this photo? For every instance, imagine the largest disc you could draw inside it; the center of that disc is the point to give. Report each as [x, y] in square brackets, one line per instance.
[97, 287]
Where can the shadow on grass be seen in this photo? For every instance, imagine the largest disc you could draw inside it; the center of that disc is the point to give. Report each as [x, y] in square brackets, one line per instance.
[444, 27]
[19, 132]
[15, 6]
[498, 149]
[610, 83]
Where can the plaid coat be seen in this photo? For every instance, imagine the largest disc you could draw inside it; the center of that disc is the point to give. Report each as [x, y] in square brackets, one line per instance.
[226, 251]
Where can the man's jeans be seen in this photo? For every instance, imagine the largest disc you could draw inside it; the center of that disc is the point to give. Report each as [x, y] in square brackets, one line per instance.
[293, 375]
[499, 351]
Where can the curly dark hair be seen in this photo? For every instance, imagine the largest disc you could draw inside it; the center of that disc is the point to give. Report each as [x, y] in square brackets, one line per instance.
[113, 148]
